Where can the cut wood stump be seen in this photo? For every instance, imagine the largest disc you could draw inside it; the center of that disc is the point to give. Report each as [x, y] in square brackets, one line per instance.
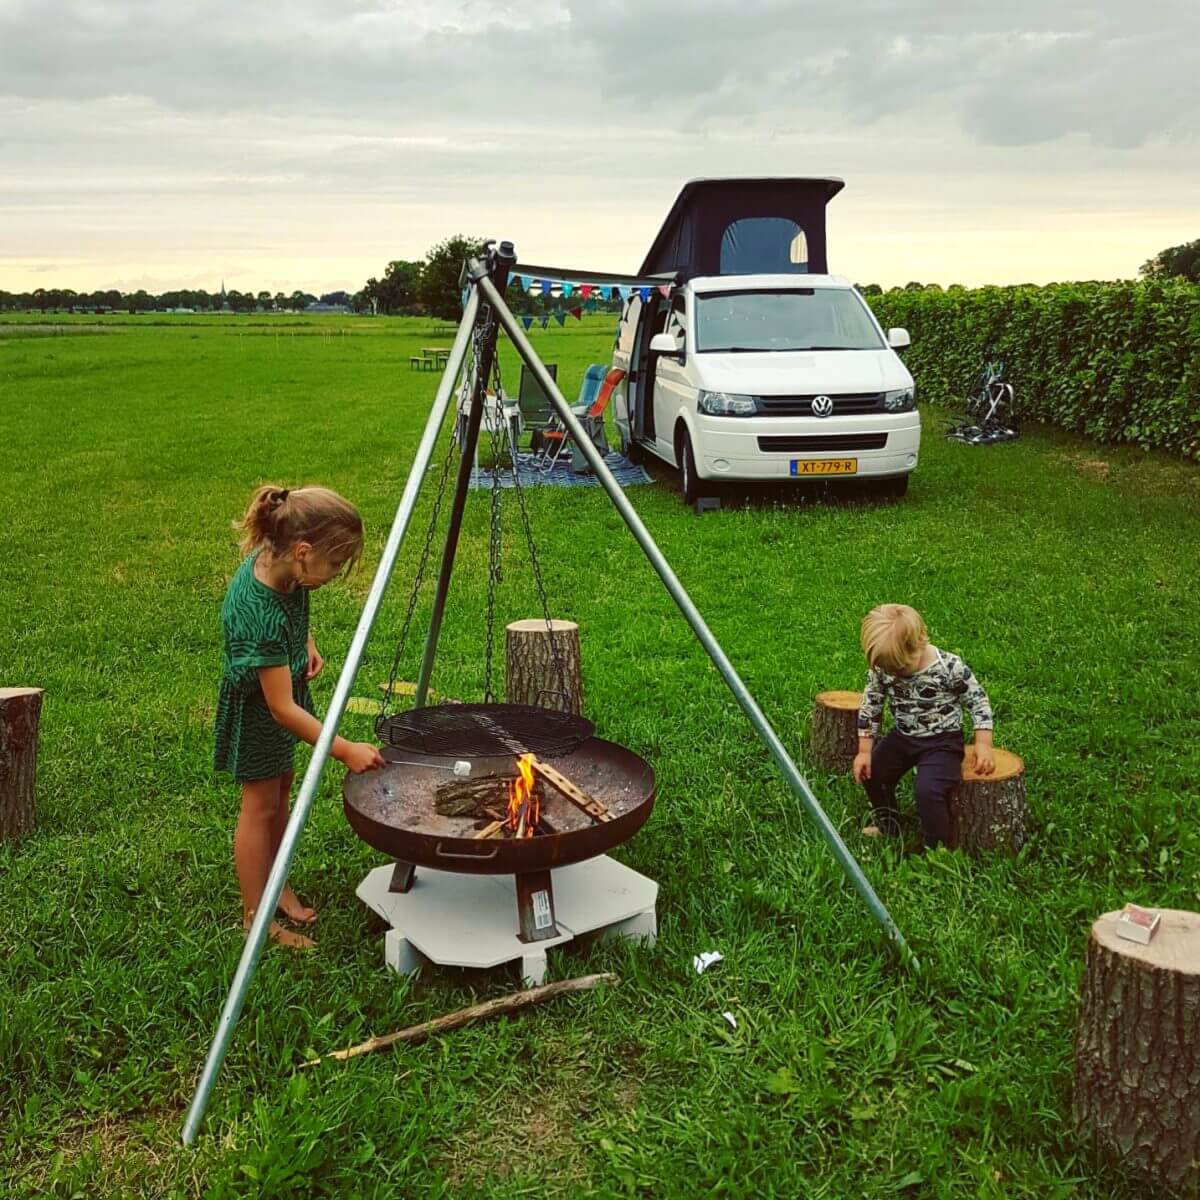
[1137, 1051]
[531, 675]
[20, 712]
[988, 812]
[834, 741]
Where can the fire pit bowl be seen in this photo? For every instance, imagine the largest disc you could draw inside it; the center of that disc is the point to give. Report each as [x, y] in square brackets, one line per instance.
[392, 809]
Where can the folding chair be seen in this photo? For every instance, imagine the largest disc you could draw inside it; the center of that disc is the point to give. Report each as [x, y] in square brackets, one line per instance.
[536, 413]
[554, 437]
[591, 417]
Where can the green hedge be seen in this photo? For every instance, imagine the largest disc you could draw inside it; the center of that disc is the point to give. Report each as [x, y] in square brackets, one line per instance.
[1119, 362]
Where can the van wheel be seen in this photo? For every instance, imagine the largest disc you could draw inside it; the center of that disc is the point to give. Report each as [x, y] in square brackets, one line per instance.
[894, 488]
[689, 481]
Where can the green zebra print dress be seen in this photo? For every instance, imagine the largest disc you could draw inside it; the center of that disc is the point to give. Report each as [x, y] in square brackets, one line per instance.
[261, 628]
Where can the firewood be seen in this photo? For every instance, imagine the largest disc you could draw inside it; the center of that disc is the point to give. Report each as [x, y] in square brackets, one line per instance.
[467, 797]
[513, 1002]
[491, 829]
[577, 796]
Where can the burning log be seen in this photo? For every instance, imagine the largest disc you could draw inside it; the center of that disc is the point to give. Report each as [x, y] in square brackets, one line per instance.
[471, 797]
[577, 796]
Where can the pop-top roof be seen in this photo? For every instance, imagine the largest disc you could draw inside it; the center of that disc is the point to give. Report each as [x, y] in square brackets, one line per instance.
[744, 226]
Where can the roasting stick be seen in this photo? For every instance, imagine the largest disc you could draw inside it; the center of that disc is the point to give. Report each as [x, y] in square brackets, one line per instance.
[477, 1012]
[560, 783]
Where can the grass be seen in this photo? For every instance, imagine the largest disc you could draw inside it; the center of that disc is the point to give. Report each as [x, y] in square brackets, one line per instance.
[1064, 573]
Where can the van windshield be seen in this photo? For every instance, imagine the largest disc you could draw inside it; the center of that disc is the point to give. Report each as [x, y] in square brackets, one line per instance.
[788, 319]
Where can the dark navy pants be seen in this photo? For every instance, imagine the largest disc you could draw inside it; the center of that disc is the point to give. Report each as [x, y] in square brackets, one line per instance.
[938, 760]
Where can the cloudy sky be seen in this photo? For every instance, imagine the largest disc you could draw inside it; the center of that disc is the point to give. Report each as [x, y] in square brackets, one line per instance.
[305, 143]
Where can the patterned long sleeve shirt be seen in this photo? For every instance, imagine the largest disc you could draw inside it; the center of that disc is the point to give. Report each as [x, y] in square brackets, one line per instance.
[928, 702]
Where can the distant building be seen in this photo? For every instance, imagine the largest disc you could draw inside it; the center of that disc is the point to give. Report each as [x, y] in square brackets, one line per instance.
[327, 308]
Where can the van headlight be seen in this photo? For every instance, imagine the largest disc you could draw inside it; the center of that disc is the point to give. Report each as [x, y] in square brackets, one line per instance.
[901, 400]
[726, 404]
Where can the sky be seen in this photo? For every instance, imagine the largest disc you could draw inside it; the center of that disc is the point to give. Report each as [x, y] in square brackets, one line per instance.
[304, 144]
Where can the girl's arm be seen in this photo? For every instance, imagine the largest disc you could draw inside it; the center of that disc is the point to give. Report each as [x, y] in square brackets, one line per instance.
[277, 689]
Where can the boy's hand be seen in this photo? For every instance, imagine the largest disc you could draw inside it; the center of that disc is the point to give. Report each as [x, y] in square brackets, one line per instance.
[862, 766]
[985, 760]
[361, 756]
[316, 663]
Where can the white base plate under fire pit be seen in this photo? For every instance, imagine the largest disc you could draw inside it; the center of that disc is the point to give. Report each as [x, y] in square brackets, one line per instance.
[458, 920]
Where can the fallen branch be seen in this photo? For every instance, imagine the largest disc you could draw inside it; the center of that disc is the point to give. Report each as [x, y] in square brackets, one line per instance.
[513, 1002]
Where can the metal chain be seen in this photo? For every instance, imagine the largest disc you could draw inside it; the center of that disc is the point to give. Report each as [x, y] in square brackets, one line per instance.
[533, 558]
[422, 565]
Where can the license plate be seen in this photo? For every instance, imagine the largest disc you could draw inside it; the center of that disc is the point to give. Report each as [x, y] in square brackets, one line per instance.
[824, 466]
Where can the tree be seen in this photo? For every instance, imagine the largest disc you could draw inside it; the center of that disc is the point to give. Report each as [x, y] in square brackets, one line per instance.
[439, 290]
[870, 289]
[335, 298]
[264, 300]
[399, 289]
[1175, 260]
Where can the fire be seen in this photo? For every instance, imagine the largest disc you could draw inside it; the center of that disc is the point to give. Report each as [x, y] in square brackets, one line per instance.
[523, 808]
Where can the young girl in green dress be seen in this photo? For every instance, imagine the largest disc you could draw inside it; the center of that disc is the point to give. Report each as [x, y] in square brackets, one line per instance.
[294, 542]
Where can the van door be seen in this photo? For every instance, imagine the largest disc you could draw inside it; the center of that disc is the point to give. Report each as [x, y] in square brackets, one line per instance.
[671, 387]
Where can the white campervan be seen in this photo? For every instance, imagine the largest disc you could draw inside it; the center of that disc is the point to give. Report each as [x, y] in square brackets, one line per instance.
[752, 362]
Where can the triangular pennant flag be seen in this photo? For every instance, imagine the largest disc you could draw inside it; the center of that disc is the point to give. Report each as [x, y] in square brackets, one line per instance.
[568, 288]
[560, 317]
[591, 305]
[606, 293]
[546, 287]
[665, 290]
[545, 320]
[585, 290]
[527, 321]
[522, 282]
[625, 292]
[577, 313]
[644, 293]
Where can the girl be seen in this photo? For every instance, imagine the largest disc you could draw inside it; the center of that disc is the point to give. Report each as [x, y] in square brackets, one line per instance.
[294, 542]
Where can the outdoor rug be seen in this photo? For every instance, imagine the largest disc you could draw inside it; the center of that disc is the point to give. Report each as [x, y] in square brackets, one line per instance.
[561, 475]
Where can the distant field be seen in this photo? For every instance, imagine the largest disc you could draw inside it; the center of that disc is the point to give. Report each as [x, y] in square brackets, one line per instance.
[1064, 573]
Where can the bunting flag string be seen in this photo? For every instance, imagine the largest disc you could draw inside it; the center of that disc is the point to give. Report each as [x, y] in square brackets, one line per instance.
[567, 289]
[585, 290]
[577, 313]
[527, 321]
[546, 286]
[644, 292]
[560, 317]
[665, 291]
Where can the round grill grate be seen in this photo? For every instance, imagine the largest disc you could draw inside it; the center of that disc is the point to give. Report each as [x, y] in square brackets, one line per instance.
[462, 730]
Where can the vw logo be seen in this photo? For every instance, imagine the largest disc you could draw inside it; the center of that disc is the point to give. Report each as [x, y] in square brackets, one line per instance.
[822, 406]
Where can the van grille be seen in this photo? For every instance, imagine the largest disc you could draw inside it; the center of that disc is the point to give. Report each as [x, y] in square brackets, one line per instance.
[801, 406]
[818, 442]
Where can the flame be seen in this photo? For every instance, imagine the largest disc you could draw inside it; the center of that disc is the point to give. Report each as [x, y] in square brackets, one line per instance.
[523, 807]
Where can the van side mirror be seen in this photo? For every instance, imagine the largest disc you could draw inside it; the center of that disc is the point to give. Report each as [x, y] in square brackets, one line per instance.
[664, 343]
[898, 339]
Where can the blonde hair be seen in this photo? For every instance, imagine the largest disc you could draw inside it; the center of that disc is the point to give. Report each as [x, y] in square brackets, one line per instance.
[279, 518]
[893, 637]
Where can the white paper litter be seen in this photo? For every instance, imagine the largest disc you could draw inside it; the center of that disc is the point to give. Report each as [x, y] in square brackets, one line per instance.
[731, 1019]
[706, 959]
[462, 767]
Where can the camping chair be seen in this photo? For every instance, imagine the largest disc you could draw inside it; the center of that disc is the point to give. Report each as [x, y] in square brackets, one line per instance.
[534, 404]
[599, 384]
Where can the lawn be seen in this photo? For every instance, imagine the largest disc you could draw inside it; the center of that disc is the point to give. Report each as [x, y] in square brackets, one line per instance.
[1064, 572]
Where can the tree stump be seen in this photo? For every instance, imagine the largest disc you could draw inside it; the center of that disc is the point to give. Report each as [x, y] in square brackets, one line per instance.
[20, 710]
[1137, 1050]
[530, 673]
[834, 741]
[988, 812]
